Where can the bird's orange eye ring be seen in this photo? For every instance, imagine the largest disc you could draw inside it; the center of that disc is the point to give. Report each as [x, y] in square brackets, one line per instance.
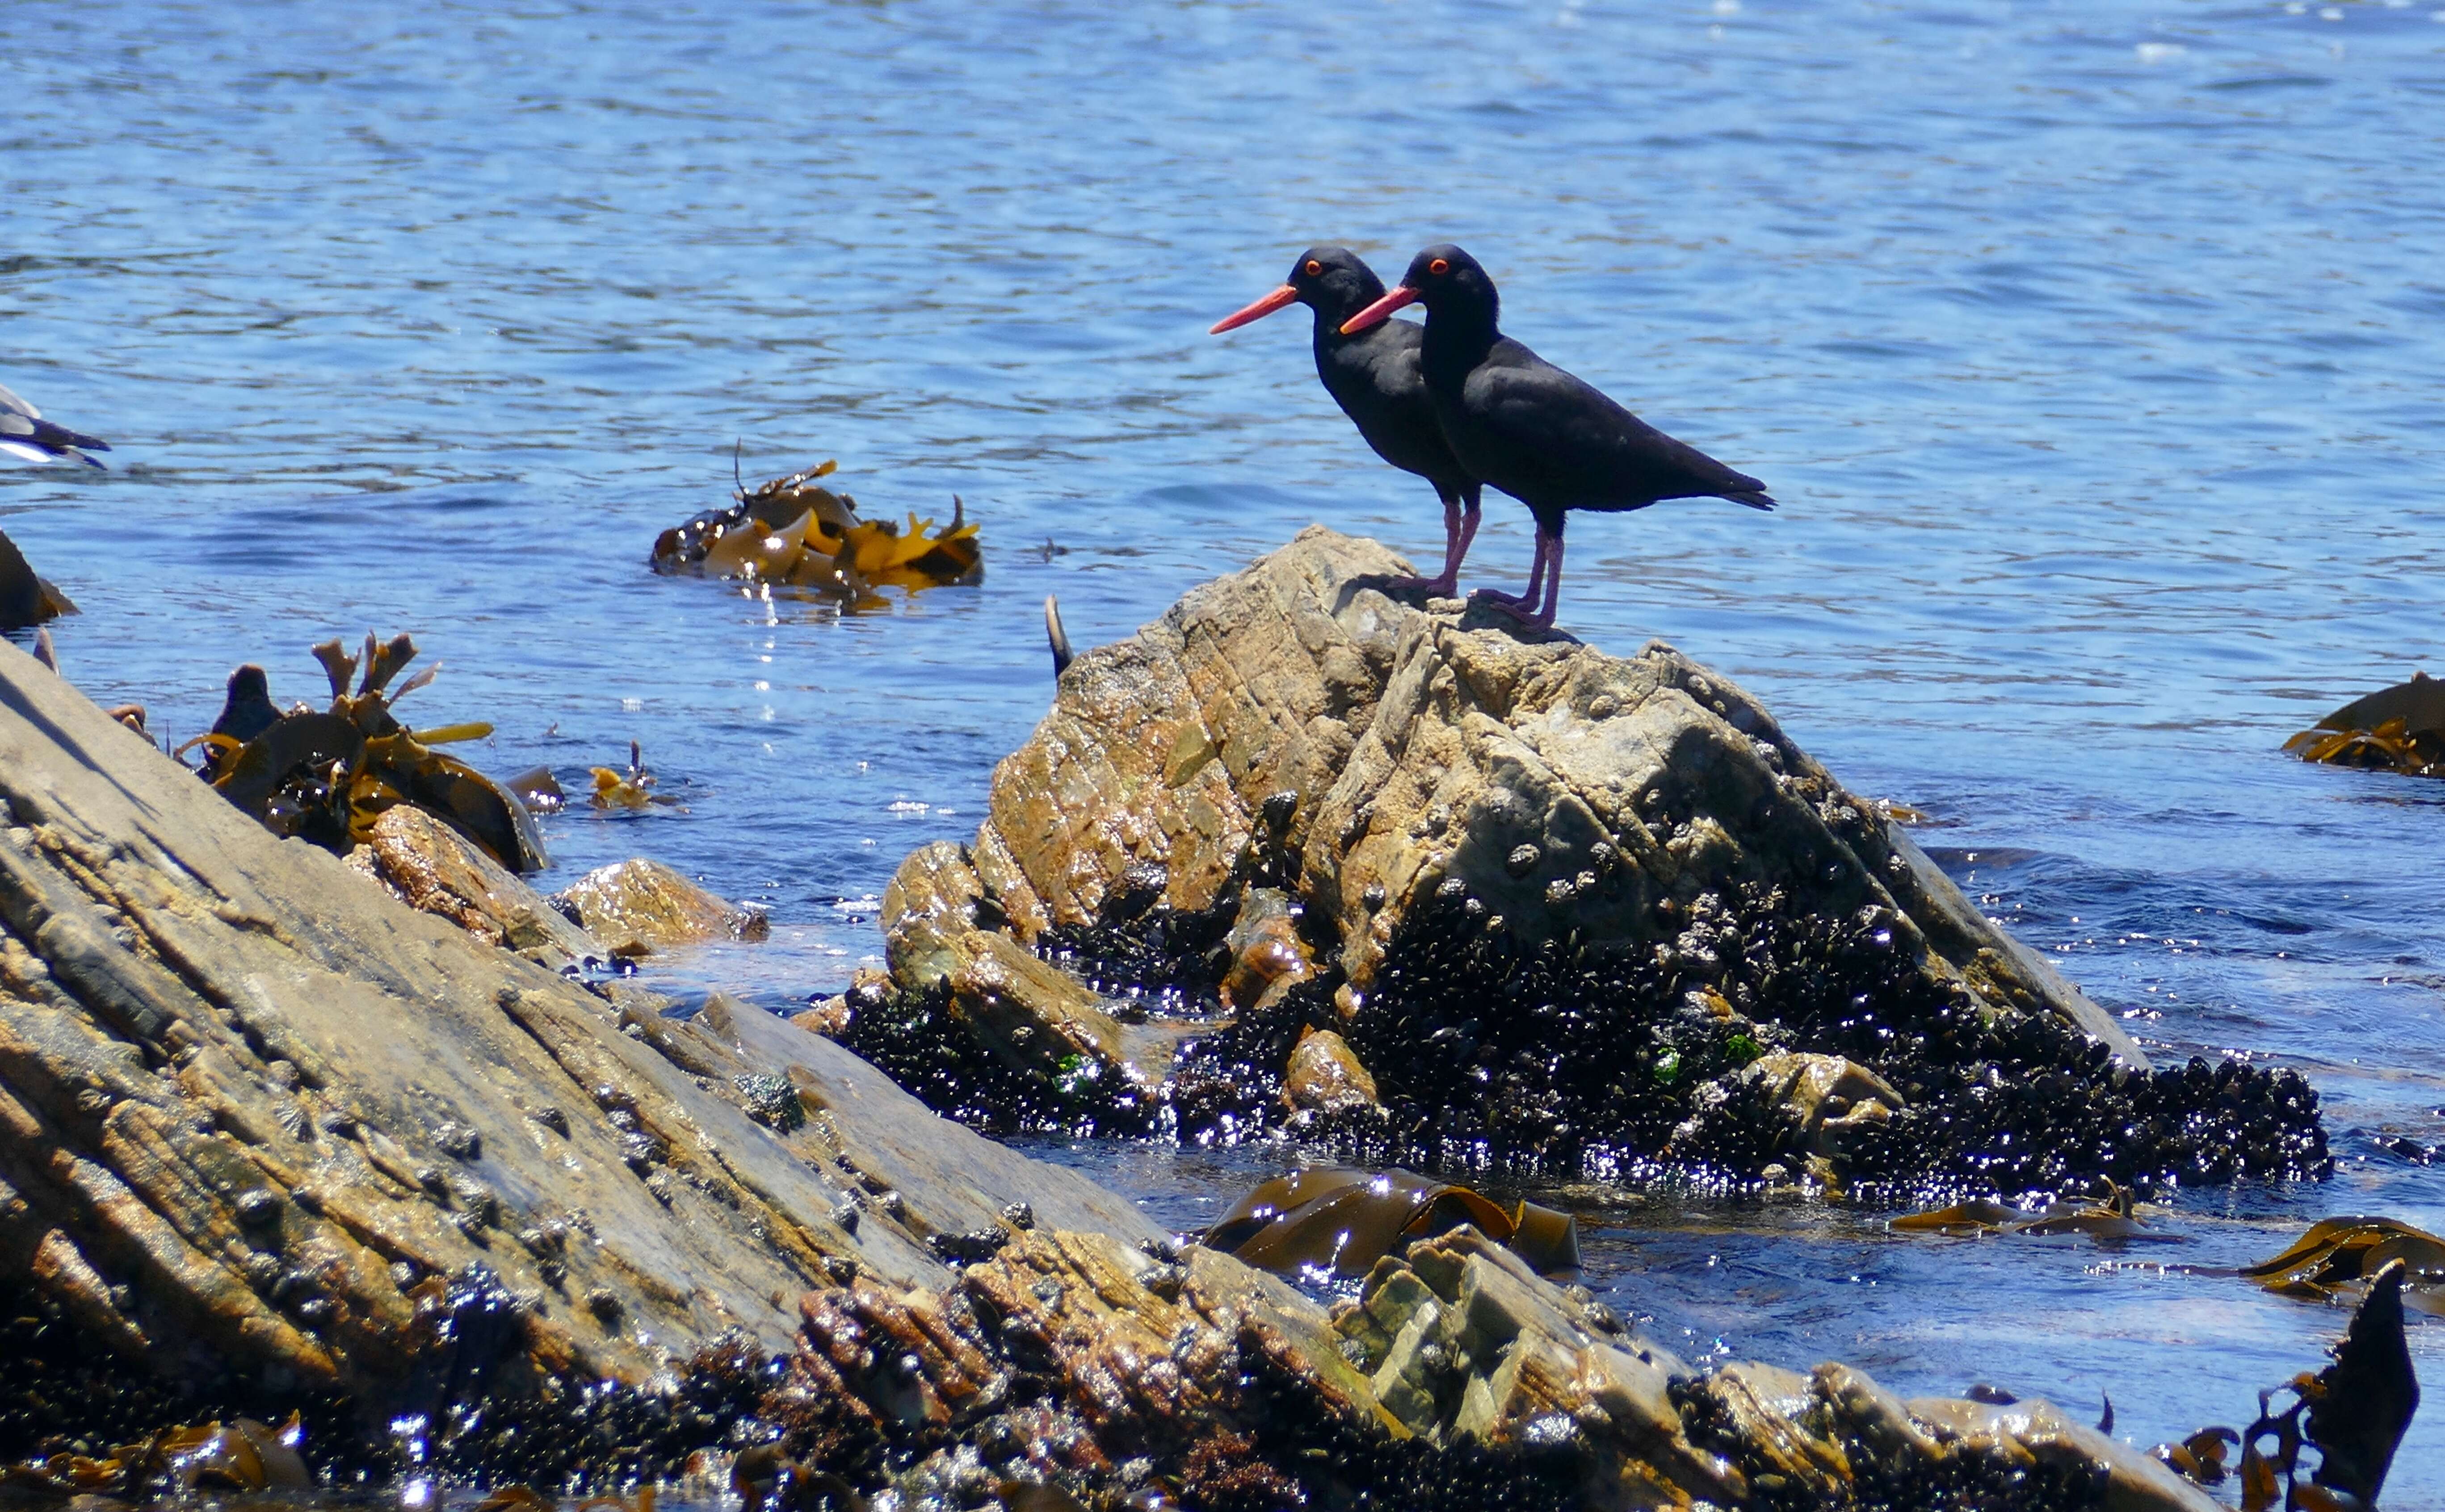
[1314, 268]
[1439, 266]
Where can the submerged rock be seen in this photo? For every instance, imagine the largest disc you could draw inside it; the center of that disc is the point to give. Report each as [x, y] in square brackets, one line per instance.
[637, 907]
[1558, 903]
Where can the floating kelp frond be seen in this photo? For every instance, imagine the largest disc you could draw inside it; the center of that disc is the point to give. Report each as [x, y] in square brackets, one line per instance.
[2399, 728]
[26, 599]
[2337, 1255]
[240, 1455]
[2353, 1413]
[790, 532]
[1332, 1217]
[325, 776]
[2109, 1217]
[633, 788]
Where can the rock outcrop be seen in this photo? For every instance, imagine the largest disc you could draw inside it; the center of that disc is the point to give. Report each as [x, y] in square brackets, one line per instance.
[1545, 896]
[267, 1134]
[1460, 1379]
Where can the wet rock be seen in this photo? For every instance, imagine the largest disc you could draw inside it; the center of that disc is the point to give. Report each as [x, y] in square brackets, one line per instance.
[1325, 1076]
[1267, 956]
[431, 867]
[26, 599]
[1827, 1103]
[637, 907]
[1546, 895]
[217, 1042]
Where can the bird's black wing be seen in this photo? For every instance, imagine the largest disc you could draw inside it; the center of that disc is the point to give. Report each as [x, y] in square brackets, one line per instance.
[1593, 449]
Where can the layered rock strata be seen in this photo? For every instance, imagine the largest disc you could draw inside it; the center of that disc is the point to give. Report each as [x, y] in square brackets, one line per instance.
[1555, 902]
[267, 1134]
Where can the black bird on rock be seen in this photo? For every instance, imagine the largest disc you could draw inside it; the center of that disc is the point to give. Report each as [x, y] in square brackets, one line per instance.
[1546, 438]
[1374, 376]
[25, 433]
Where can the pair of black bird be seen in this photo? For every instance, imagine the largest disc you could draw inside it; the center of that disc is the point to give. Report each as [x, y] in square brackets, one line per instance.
[1462, 405]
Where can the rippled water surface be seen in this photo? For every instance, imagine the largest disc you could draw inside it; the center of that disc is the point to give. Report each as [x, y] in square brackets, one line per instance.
[2093, 349]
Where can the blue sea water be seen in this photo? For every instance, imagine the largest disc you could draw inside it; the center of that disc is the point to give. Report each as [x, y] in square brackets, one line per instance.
[2095, 351]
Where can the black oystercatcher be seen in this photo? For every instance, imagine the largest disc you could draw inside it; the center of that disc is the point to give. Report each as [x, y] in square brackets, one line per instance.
[1523, 425]
[1374, 376]
[25, 433]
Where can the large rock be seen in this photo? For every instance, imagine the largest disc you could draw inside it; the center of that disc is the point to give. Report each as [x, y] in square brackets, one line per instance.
[1460, 1379]
[1551, 892]
[266, 1133]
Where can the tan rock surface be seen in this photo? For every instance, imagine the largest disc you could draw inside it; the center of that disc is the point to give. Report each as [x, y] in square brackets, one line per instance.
[433, 868]
[262, 1121]
[639, 906]
[1578, 794]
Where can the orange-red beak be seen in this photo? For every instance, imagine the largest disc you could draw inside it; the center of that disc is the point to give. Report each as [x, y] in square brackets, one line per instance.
[1377, 313]
[1284, 295]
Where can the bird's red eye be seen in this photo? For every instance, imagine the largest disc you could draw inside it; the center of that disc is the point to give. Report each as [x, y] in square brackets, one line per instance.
[1439, 266]
[1314, 268]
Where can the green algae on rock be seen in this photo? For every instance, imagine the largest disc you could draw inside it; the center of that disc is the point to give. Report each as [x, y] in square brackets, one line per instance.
[1569, 910]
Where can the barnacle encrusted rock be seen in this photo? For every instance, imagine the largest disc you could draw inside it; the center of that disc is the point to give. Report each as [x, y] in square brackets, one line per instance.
[1576, 794]
[265, 1132]
[1546, 895]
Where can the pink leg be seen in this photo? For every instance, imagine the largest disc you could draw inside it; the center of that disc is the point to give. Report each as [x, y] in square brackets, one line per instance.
[1521, 605]
[1458, 532]
[1543, 619]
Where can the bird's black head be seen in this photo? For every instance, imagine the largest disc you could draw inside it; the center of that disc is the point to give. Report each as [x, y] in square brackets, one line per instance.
[1333, 281]
[1445, 280]
[1445, 277]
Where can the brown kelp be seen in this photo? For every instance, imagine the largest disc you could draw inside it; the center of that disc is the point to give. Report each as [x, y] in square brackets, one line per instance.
[2353, 1413]
[2108, 1216]
[326, 775]
[26, 599]
[2399, 728]
[1342, 1219]
[239, 1455]
[792, 532]
[2338, 1256]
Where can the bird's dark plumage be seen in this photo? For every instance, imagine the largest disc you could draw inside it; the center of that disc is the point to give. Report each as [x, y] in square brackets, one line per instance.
[25, 433]
[1375, 375]
[1547, 438]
